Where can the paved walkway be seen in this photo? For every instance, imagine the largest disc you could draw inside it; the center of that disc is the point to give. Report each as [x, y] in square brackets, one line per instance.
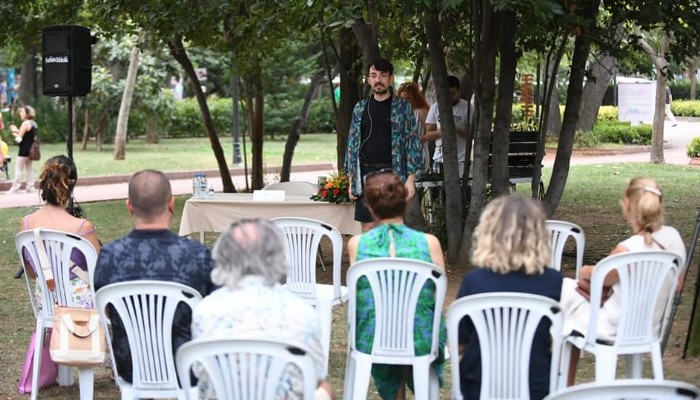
[94, 189]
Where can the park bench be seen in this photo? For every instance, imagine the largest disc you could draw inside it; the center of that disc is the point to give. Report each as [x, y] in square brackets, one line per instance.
[522, 153]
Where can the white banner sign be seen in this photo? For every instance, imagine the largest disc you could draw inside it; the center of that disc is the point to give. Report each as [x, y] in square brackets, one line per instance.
[636, 102]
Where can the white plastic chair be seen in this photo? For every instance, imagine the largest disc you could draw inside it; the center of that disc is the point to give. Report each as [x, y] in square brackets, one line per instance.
[244, 368]
[59, 246]
[505, 323]
[560, 232]
[629, 388]
[147, 309]
[294, 188]
[646, 277]
[303, 238]
[396, 284]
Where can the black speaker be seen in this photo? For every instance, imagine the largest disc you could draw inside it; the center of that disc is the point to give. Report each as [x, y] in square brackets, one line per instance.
[66, 60]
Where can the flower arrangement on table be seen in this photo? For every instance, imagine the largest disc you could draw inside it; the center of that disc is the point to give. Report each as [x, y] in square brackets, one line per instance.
[334, 190]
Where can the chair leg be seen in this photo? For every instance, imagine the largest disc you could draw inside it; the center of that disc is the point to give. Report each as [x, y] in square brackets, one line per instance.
[65, 375]
[357, 377]
[633, 366]
[38, 346]
[564, 364]
[325, 314]
[605, 366]
[434, 382]
[86, 377]
[421, 378]
[657, 364]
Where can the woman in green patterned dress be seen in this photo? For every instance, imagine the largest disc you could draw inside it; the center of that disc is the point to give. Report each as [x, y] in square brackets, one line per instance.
[385, 196]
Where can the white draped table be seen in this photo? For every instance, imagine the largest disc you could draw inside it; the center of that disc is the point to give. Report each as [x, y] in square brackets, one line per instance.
[215, 214]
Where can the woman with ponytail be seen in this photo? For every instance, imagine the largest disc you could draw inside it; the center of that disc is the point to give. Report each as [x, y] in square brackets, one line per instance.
[56, 183]
[642, 206]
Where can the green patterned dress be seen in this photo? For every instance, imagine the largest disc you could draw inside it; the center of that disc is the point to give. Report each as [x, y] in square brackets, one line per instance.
[408, 243]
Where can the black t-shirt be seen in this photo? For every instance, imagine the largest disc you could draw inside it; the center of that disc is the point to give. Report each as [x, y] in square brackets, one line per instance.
[375, 145]
[27, 141]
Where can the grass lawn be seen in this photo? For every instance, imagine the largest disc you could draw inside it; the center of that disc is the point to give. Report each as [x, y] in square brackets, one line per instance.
[184, 154]
[591, 200]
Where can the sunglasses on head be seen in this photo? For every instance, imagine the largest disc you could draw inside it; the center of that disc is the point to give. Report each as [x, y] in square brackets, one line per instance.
[377, 172]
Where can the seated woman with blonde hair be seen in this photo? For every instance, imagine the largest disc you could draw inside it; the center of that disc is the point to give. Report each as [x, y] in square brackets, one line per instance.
[56, 183]
[511, 253]
[642, 206]
[385, 196]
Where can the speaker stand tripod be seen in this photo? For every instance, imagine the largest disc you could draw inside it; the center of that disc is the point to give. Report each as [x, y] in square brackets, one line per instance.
[691, 250]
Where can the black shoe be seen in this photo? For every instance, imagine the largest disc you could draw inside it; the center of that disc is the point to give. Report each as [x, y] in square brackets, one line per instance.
[19, 273]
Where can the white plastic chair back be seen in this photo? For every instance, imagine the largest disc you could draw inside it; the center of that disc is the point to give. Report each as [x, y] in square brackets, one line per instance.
[59, 246]
[303, 238]
[629, 389]
[560, 232]
[294, 188]
[396, 284]
[147, 309]
[646, 277]
[245, 368]
[505, 323]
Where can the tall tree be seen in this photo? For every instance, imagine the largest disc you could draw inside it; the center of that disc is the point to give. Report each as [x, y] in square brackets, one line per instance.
[125, 107]
[658, 57]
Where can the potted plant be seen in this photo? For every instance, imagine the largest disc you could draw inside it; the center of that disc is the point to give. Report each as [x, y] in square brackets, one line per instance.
[694, 151]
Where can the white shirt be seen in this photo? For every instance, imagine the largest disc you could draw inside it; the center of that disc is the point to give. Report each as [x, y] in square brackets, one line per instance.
[257, 309]
[459, 112]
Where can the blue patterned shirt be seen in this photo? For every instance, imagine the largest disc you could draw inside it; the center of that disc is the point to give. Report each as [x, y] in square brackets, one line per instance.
[406, 155]
[153, 255]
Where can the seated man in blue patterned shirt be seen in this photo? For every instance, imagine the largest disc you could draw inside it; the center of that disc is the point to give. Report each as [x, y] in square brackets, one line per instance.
[153, 252]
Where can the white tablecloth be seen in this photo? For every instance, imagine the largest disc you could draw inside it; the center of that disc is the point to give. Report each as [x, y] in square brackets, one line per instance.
[215, 214]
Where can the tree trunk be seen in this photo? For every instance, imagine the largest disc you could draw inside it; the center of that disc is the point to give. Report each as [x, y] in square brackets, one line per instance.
[560, 171]
[658, 58]
[152, 131]
[554, 114]
[601, 71]
[693, 76]
[499, 145]
[485, 89]
[127, 95]
[366, 35]
[350, 72]
[453, 191]
[177, 49]
[299, 121]
[255, 102]
[28, 89]
[86, 128]
[656, 156]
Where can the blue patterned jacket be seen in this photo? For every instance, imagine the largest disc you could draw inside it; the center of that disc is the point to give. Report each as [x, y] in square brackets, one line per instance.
[406, 155]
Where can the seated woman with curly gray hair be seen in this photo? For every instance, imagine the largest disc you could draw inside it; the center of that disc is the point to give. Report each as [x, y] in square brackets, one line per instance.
[250, 266]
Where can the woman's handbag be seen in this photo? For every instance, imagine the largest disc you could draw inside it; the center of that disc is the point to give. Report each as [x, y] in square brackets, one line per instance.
[35, 151]
[48, 371]
[78, 337]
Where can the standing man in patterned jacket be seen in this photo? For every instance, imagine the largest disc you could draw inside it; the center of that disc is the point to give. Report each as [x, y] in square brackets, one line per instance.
[383, 135]
[152, 252]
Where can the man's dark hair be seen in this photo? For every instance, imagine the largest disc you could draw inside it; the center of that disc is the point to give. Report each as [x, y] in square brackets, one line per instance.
[452, 82]
[382, 65]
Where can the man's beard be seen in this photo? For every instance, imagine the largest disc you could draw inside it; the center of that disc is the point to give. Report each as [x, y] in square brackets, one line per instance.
[380, 91]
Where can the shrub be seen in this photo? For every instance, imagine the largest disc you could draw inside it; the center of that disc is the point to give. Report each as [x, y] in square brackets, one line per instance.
[694, 147]
[686, 108]
[607, 113]
[622, 132]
